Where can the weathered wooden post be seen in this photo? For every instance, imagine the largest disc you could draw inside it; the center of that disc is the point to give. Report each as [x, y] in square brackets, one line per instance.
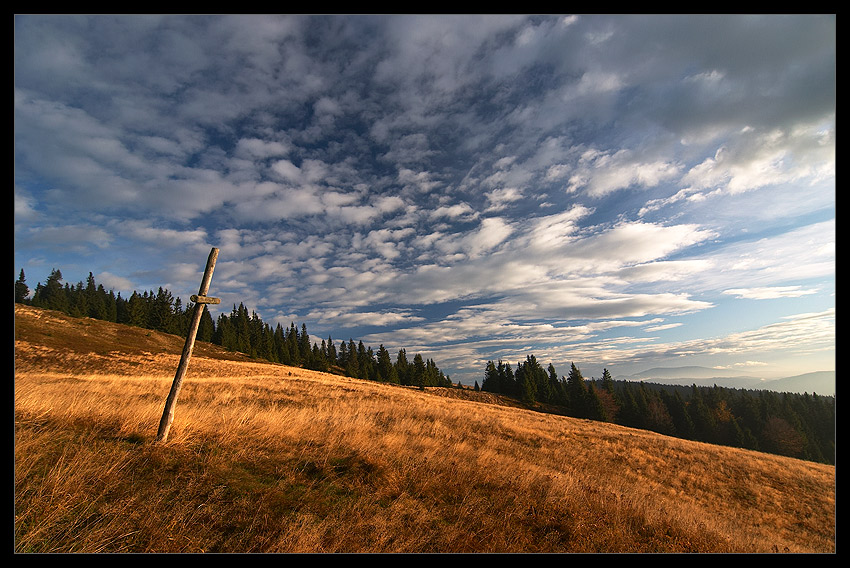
[200, 300]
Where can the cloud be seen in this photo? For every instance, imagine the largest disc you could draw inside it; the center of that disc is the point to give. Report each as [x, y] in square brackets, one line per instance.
[160, 236]
[24, 205]
[287, 171]
[769, 292]
[751, 364]
[77, 237]
[491, 232]
[340, 319]
[800, 254]
[453, 211]
[259, 149]
[758, 159]
[113, 282]
[662, 327]
[601, 173]
[500, 198]
[558, 183]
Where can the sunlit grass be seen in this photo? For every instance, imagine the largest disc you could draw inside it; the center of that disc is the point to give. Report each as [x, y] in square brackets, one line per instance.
[297, 464]
[267, 458]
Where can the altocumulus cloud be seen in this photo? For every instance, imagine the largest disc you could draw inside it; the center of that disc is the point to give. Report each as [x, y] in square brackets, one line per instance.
[474, 187]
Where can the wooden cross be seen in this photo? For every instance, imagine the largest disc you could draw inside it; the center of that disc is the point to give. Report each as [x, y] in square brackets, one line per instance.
[200, 299]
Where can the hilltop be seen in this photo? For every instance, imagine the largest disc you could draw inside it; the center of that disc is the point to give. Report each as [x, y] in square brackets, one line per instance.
[273, 458]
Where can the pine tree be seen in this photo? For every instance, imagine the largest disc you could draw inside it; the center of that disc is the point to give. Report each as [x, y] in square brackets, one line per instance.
[21, 289]
[490, 382]
[318, 361]
[78, 306]
[418, 372]
[122, 314]
[386, 371]
[96, 298]
[52, 295]
[508, 380]
[538, 376]
[352, 361]
[364, 361]
[161, 315]
[607, 382]
[682, 423]
[267, 349]
[559, 395]
[403, 367]
[304, 349]
[608, 396]
[137, 310]
[576, 392]
[594, 408]
[702, 416]
[527, 388]
[281, 345]
[332, 356]
[240, 323]
[111, 303]
[292, 343]
[206, 329]
[342, 358]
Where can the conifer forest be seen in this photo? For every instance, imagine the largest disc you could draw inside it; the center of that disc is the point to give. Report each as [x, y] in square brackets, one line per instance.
[790, 424]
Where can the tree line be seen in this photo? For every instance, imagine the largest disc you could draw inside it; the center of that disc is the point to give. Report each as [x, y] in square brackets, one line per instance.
[790, 424]
[238, 331]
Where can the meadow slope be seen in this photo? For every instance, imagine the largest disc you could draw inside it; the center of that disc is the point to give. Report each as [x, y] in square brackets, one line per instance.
[270, 458]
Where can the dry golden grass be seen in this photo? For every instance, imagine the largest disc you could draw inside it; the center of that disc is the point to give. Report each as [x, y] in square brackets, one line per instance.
[268, 458]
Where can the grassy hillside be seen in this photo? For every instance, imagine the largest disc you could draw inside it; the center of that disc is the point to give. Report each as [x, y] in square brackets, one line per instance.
[269, 458]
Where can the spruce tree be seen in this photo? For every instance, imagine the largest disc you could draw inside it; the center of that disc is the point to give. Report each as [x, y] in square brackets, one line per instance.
[607, 382]
[527, 387]
[21, 289]
[95, 297]
[490, 382]
[403, 367]
[281, 345]
[418, 374]
[594, 409]
[161, 315]
[111, 303]
[364, 363]
[576, 392]
[292, 342]
[332, 355]
[352, 365]
[508, 380]
[386, 370]
[304, 348]
[78, 306]
[206, 328]
[682, 422]
[137, 310]
[559, 395]
[701, 416]
[53, 295]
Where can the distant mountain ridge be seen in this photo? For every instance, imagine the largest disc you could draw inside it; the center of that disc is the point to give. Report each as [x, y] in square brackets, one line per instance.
[820, 382]
[692, 372]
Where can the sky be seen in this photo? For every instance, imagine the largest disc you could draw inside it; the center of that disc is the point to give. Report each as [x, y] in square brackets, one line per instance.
[615, 191]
